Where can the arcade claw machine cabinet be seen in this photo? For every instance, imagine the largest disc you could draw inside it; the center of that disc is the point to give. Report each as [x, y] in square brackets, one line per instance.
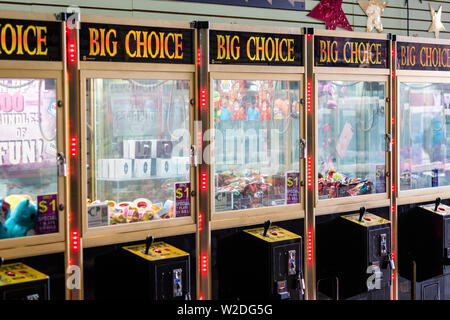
[423, 86]
[137, 110]
[254, 171]
[352, 161]
[32, 156]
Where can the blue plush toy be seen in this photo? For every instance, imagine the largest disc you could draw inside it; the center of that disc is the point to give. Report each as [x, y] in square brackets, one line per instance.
[4, 213]
[21, 220]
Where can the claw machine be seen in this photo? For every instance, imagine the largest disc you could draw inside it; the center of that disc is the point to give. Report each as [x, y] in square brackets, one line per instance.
[137, 110]
[32, 157]
[253, 158]
[423, 106]
[352, 165]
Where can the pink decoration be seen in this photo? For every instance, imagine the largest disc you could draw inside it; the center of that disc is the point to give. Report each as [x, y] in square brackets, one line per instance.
[331, 12]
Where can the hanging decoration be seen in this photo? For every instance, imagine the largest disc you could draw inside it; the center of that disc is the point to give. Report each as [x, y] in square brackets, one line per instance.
[436, 25]
[373, 10]
[331, 12]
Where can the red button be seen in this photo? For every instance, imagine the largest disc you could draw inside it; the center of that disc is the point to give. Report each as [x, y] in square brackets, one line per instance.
[368, 219]
[10, 273]
[442, 209]
[157, 250]
[274, 233]
[22, 271]
[167, 249]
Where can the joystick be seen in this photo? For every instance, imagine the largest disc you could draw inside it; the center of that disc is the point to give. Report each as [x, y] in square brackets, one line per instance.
[362, 210]
[267, 224]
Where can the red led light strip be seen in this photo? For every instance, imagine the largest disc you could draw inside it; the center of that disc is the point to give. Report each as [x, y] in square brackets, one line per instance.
[73, 146]
[309, 172]
[204, 263]
[204, 181]
[200, 221]
[203, 99]
[309, 96]
[309, 250]
[72, 53]
[75, 240]
[199, 56]
[393, 188]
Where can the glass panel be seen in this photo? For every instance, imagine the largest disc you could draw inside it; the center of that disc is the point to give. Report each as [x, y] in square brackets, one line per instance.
[351, 138]
[256, 143]
[424, 135]
[138, 150]
[28, 172]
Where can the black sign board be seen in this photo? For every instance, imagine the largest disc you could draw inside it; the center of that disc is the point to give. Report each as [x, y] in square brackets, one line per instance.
[121, 43]
[227, 47]
[350, 52]
[423, 56]
[30, 40]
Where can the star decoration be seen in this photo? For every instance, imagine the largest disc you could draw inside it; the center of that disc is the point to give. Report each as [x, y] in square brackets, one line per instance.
[331, 12]
[436, 25]
[373, 10]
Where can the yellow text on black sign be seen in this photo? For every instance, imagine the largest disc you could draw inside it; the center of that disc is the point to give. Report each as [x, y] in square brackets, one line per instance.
[257, 48]
[18, 39]
[424, 56]
[137, 43]
[351, 52]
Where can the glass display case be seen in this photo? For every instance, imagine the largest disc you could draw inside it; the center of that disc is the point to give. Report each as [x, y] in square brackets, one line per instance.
[350, 134]
[138, 141]
[28, 157]
[256, 144]
[424, 134]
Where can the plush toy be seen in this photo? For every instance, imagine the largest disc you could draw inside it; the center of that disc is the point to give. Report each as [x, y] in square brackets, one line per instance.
[4, 213]
[22, 219]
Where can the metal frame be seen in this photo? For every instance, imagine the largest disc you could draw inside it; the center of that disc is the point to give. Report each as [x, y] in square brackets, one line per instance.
[49, 243]
[233, 218]
[334, 205]
[337, 205]
[91, 237]
[423, 194]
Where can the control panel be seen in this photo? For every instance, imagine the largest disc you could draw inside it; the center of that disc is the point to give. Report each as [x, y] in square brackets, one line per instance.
[270, 265]
[16, 273]
[21, 282]
[159, 271]
[157, 251]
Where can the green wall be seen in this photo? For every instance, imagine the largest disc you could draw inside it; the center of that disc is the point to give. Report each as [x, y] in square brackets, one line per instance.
[394, 16]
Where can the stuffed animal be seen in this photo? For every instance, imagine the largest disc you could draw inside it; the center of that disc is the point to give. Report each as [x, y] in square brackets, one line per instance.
[4, 213]
[22, 219]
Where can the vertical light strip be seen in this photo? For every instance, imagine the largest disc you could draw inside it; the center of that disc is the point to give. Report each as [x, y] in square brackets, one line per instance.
[309, 123]
[204, 210]
[73, 239]
[393, 165]
[309, 246]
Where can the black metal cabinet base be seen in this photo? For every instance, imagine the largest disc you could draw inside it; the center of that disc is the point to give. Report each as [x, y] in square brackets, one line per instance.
[21, 282]
[161, 274]
[436, 288]
[254, 266]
